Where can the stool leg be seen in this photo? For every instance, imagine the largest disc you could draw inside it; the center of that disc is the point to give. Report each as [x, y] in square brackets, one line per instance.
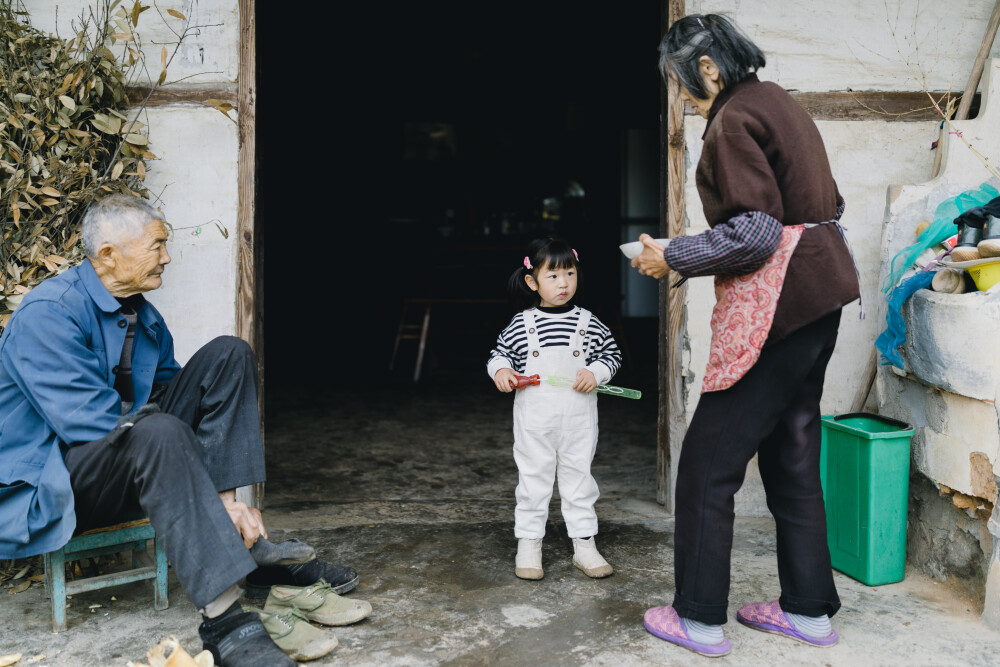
[399, 337]
[57, 562]
[138, 548]
[423, 342]
[160, 601]
[47, 563]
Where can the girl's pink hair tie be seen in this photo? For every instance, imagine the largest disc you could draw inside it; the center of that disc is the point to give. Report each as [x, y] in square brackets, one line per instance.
[527, 263]
[575, 255]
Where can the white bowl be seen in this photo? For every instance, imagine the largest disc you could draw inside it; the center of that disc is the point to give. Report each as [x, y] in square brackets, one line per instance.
[632, 249]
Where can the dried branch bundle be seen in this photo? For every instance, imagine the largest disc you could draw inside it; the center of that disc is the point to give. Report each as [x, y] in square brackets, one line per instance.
[65, 137]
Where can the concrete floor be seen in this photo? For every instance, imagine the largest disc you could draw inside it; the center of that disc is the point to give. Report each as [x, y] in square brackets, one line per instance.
[415, 490]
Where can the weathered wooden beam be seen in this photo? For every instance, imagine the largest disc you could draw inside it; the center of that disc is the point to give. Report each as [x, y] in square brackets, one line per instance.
[888, 106]
[195, 93]
[248, 322]
[671, 422]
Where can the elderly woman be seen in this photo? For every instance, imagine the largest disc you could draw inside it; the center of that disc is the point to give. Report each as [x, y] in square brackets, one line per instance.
[782, 273]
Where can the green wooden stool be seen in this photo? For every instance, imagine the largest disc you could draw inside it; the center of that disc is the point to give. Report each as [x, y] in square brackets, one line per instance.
[119, 538]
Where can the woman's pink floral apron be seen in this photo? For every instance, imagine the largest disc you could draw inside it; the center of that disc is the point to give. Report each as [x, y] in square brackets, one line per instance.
[743, 314]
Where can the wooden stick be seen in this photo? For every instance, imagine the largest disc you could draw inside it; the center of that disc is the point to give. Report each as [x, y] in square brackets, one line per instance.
[977, 67]
[868, 375]
[970, 87]
[249, 324]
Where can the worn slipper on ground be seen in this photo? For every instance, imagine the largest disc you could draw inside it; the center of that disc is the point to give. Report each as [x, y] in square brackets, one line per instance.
[666, 624]
[768, 617]
[318, 603]
[343, 579]
[294, 635]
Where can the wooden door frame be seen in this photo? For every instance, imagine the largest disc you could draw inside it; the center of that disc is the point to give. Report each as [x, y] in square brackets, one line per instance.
[249, 286]
[671, 421]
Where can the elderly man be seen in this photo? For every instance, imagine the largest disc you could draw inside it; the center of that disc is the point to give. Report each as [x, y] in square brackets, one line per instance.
[98, 422]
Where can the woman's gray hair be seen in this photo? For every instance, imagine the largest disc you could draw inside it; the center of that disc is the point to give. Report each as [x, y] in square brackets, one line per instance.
[711, 35]
[116, 219]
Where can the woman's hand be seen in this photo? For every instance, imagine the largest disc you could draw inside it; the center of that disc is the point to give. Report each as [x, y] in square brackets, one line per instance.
[505, 380]
[246, 519]
[650, 261]
[585, 381]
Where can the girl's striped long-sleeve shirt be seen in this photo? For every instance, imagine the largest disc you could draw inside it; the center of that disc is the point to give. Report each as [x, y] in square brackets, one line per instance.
[555, 327]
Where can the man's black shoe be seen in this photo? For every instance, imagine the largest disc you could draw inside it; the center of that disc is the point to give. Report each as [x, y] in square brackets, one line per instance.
[342, 579]
[240, 640]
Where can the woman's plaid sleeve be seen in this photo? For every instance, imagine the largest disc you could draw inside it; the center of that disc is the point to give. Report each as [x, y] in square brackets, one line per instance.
[738, 246]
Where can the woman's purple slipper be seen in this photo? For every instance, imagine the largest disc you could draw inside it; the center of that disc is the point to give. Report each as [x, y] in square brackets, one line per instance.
[666, 624]
[768, 617]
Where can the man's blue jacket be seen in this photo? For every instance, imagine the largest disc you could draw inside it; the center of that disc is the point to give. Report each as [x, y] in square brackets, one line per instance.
[58, 357]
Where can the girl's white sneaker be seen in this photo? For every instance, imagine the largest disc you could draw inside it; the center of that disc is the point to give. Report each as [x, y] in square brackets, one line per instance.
[528, 563]
[587, 558]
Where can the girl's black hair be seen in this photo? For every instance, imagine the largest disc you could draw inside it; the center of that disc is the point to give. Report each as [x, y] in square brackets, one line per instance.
[711, 35]
[548, 251]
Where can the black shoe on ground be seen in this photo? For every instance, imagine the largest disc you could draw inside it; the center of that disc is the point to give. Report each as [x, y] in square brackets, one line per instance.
[342, 579]
[240, 640]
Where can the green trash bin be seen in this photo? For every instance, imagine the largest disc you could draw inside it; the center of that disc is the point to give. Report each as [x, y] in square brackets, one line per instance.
[865, 471]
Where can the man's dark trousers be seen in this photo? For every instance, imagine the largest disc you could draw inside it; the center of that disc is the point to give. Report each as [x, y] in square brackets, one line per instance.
[172, 466]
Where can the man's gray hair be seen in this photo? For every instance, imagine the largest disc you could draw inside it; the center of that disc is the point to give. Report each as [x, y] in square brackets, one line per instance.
[116, 219]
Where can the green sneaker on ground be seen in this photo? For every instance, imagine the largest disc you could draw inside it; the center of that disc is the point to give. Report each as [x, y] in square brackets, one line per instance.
[318, 603]
[293, 634]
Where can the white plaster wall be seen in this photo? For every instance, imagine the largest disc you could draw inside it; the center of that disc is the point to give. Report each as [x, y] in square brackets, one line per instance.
[208, 54]
[196, 180]
[818, 45]
[195, 175]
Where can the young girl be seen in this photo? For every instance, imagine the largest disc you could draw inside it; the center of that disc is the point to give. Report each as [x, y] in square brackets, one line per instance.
[555, 428]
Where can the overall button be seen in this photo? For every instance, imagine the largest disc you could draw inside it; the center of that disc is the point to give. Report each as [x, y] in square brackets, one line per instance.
[115, 370]
[122, 324]
[535, 353]
[576, 353]
[582, 332]
[531, 330]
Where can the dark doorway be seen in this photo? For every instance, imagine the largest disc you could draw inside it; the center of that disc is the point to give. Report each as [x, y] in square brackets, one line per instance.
[409, 149]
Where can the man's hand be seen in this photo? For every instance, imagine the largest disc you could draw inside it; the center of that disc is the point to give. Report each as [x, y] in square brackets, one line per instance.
[246, 519]
[505, 380]
[585, 381]
[650, 261]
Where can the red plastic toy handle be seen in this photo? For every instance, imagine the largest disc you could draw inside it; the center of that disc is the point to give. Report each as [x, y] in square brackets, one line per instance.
[527, 381]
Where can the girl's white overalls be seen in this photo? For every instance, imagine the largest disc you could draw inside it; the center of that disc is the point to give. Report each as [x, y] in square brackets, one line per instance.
[555, 437]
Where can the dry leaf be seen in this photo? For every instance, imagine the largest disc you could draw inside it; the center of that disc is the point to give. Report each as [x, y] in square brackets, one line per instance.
[117, 170]
[122, 37]
[140, 169]
[24, 585]
[176, 14]
[163, 77]
[212, 102]
[68, 102]
[23, 571]
[7, 660]
[51, 191]
[163, 57]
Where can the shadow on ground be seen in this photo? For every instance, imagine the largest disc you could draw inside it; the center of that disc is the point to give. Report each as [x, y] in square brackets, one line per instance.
[413, 486]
